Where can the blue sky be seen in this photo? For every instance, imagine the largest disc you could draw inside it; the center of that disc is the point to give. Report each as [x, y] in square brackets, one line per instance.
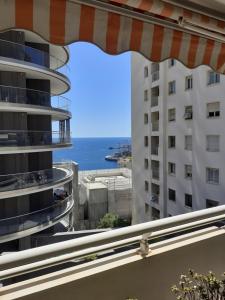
[100, 92]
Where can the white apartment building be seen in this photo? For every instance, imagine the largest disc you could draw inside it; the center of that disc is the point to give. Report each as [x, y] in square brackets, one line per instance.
[178, 138]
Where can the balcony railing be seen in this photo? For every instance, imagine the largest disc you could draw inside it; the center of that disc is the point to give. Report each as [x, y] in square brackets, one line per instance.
[13, 265]
[20, 138]
[154, 101]
[155, 173]
[17, 181]
[10, 94]
[155, 126]
[155, 150]
[35, 218]
[155, 76]
[30, 54]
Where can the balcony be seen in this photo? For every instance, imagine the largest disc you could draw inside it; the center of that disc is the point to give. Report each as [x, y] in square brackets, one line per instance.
[18, 95]
[154, 101]
[12, 185]
[155, 76]
[160, 252]
[35, 221]
[16, 141]
[155, 173]
[30, 54]
[155, 126]
[155, 169]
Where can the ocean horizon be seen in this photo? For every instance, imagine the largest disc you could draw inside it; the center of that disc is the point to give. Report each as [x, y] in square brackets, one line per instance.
[90, 153]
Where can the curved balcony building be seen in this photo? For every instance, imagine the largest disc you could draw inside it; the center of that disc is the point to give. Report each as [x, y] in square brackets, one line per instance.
[34, 194]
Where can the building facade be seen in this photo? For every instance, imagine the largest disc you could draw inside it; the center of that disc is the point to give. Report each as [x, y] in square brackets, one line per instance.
[102, 192]
[178, 139]
[35, 194]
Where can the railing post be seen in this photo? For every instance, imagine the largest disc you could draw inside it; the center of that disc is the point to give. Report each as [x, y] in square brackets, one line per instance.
[144, 245]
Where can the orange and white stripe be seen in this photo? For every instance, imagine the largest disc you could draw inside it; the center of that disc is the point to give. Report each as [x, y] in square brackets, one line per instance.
[63, 22]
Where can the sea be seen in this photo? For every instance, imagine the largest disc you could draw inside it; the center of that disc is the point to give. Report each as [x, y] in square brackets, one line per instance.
[90, 153]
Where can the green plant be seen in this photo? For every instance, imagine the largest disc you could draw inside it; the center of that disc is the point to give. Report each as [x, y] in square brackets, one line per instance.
[90, 257]
[109, 220]
[196, 286]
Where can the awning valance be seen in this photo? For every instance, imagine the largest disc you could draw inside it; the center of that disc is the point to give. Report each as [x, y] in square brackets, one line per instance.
[155, 28]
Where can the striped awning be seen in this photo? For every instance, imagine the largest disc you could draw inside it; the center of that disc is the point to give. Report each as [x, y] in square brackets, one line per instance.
[155, 28]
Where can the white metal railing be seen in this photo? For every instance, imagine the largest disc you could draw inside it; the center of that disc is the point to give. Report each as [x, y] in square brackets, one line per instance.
[12, 265]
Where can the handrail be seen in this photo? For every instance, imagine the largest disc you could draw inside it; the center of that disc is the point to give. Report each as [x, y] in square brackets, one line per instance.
[31, 54]
[35, 218]
[31, 260]
[39, 210]
[24, 180]
[21, 95]
[12, 138]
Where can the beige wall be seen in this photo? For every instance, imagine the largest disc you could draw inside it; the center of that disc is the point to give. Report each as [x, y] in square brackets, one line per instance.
[128, 275]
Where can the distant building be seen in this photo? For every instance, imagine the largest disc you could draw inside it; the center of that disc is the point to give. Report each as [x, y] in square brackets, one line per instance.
[101, 192]
[178, 139]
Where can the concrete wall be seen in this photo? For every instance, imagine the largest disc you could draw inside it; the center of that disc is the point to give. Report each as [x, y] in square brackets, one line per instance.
[127, 275]
[101, 192]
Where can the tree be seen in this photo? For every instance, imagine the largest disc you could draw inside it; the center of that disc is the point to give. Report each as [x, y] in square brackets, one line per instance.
[196, 286]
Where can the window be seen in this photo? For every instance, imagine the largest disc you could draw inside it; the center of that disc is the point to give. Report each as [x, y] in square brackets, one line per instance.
[146, 186]
[171, 62]
[146, 141]
[213, 77]
[172, 87]
[171, 168]
[188, 82]
[171, 141]
[213, 143]
[146, 163]
[172, 114]
[188, 171]
[188, 142]
[155, 96]
[146, 95]
[211, 203]
[212, 175]
[155, 213]
[172, 195]
[155, 193]
[146, 71]
[213, 109]
[155, 71]
[188, 200]
[188, 112]
[146, 118]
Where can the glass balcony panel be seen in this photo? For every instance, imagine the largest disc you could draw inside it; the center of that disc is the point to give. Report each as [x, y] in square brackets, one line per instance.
[11, 182]
[36, 218]
[9, 94]
[20, 138]
[32, 55]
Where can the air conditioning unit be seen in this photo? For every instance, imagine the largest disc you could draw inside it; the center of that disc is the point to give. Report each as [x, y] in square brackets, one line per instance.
[188, 116]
